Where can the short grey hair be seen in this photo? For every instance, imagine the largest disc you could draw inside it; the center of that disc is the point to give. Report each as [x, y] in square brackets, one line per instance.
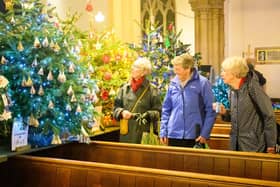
[236, 65]
[185, 60]
[144, 64]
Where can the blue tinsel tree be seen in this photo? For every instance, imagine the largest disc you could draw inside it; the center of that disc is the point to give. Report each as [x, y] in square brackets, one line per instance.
[221, 91]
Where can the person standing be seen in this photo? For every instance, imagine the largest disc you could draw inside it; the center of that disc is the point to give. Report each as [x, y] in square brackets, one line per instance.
[253, 125]
[138, 99]
[187, 114]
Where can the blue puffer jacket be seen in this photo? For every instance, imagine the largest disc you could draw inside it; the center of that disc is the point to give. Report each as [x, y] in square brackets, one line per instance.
[183, 108]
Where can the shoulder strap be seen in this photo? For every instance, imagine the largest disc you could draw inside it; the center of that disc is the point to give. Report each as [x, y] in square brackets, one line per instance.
[139, 98]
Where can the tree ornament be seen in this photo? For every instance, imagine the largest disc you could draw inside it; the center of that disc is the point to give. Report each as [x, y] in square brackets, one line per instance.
[51, 105]
[89, 7]
[41, 71]
[20, 47]
[61, 77]
[32, 90]
[73, 98]
[13, 21]
[35, 62]
[41, 91]
[56, 140]
[23, 82]
[82, 76]
[98, 46]
[65, 43]
[106, 59]
[36, 43]
[29, 82]
[71, 68]
[3, 60]
[52, 44]
[78, 109]
[107, 76]
[94, 98]
[83, 98]
[68, 107]
[70, 91]
[33, 121]
[6, 115]
[90, 69]
[112, 92]
[56, 48]
[45, 42]
[50, 76]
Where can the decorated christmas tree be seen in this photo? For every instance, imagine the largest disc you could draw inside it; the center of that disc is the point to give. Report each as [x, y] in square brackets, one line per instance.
[50, 89]
[108, 61]
[221, 91]
[161, 50]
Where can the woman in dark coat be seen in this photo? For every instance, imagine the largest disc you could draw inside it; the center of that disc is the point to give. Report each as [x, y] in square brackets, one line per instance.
[253, 125]
[148, 107]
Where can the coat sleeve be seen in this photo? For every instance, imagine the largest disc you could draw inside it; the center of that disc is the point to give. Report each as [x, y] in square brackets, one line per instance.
[210, 114]
[165, 114]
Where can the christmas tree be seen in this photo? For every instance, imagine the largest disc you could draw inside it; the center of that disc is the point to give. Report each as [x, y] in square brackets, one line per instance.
[50, 89]
[108, 60]
[161, 50]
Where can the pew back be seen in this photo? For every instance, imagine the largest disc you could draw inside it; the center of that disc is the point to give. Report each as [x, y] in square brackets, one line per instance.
[216, 162]
[31, 171]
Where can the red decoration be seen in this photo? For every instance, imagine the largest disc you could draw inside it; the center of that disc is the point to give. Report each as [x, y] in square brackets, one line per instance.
[170, 27]
[89, 7]
[107, 76]
[104, 95]
[106, 59]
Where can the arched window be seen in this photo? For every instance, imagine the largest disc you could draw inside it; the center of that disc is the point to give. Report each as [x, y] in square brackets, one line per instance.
[158, 13]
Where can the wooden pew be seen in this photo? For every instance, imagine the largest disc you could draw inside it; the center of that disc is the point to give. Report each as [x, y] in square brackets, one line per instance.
[216, 162]
[30, 171]
[219, 138]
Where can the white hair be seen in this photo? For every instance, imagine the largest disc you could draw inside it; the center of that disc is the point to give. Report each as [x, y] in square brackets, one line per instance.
[144, 64]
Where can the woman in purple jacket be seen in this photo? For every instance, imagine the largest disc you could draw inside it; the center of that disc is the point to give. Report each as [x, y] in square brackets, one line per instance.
[187, 113]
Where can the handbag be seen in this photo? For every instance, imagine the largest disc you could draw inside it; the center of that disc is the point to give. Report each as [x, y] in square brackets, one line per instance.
[124, 122]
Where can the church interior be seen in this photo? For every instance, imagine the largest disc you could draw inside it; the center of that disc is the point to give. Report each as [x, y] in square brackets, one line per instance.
[87, 48]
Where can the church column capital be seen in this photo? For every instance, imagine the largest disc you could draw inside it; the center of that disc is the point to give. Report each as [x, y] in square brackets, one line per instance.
[203, 5]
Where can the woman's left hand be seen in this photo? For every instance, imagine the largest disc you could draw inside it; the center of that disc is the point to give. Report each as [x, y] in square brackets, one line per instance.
[201, 140]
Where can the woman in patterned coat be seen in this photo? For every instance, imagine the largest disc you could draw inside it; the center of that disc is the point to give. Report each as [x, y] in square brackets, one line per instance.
[253, 125]
[148, 107]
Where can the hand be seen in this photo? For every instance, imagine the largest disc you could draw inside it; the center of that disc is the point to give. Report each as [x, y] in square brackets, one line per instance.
[221, 109]
[126, 114]
[164, 140]
[201, 139]
[271, 150]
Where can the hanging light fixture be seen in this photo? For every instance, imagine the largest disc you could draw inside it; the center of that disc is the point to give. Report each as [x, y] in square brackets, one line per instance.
[99, 17]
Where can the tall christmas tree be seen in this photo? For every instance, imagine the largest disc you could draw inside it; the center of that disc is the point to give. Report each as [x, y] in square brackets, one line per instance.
[108, 60]
[50, 89]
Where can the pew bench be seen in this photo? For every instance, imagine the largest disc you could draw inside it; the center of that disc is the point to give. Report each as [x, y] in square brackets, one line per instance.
[216, 162]
[33, 171]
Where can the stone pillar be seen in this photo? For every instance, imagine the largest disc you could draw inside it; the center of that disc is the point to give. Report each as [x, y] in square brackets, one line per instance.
[209, 31]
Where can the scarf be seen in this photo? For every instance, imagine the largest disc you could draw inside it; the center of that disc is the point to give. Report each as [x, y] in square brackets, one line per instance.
[135, 84]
